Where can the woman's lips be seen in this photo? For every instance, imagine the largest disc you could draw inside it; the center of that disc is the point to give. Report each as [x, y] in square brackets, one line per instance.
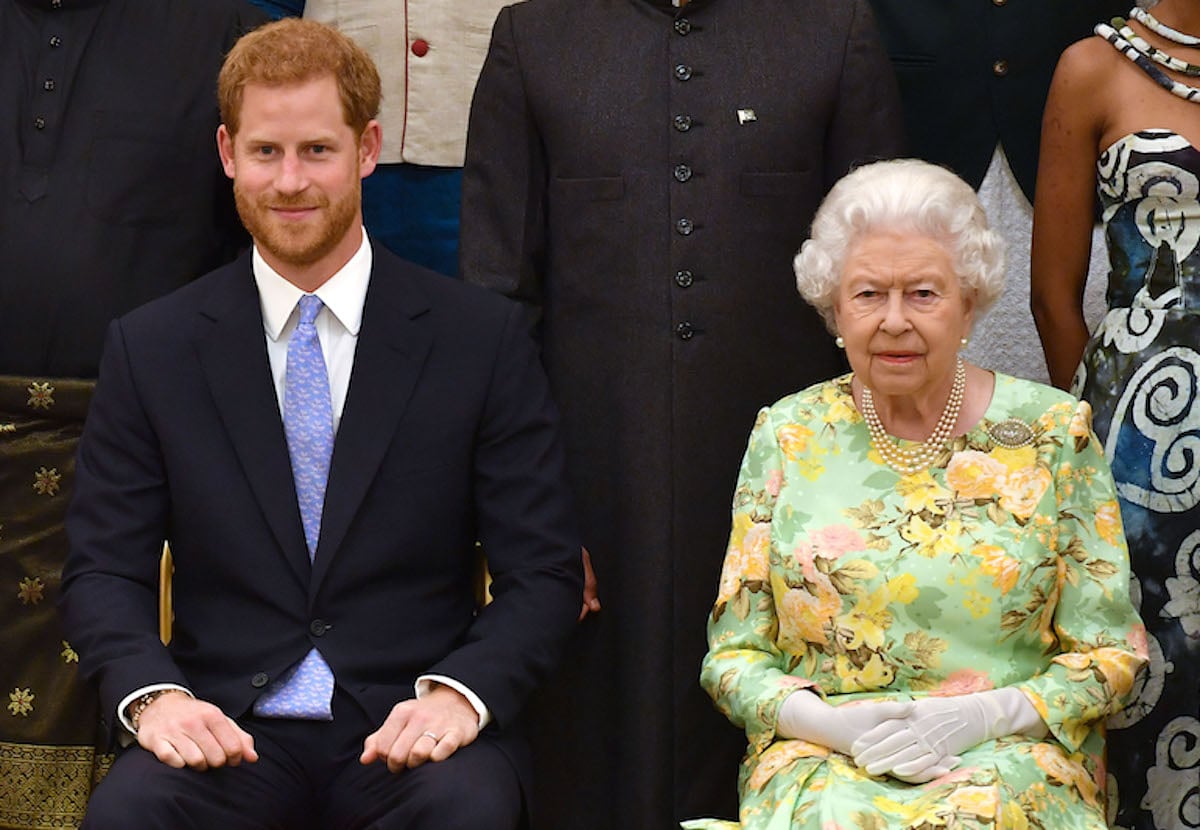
[897, 357]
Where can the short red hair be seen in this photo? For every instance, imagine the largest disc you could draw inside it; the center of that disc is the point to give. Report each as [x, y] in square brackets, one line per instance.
[294, 50]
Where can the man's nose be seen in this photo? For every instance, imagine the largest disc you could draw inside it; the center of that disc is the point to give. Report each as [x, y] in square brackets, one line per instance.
[292, 176]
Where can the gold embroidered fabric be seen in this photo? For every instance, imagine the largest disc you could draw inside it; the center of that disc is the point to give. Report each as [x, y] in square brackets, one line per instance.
[48, 716]
[47, 787]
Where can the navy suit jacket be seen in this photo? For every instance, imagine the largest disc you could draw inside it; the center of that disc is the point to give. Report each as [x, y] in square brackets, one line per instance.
[448, 436]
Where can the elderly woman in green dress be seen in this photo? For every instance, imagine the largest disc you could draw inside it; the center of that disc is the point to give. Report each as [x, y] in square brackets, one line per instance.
[923, 617]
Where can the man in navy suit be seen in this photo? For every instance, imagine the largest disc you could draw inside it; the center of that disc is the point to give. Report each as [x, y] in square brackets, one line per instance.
[322, 432]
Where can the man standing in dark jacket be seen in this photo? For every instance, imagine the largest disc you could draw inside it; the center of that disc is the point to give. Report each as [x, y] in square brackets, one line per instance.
[641, 175]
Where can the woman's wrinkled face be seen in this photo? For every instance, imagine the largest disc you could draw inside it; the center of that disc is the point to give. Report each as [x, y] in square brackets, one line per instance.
[902, 312]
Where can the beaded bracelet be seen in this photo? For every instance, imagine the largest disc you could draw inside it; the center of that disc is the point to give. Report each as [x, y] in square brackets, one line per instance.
[138, 706]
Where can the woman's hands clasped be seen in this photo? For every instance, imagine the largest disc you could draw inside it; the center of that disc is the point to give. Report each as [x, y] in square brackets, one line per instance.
[846, 728]
[939, 729]
[914, 741]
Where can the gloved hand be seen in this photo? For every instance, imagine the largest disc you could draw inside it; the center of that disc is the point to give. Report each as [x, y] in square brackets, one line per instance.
[805, 715]
[939, 729]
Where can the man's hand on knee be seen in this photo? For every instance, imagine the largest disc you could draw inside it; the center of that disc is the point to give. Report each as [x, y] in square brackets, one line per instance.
[182, 731]
[431, 728]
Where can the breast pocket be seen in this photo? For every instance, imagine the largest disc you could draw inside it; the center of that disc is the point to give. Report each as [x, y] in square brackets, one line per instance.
[143, 171]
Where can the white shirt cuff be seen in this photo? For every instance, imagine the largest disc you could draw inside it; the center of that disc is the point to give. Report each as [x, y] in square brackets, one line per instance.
[425, 686]
[134, 695]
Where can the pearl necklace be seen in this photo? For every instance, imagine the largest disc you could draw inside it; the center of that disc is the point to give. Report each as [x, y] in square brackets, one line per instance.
[909, 460]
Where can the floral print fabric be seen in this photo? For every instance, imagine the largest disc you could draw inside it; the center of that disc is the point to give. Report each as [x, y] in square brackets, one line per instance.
[1000, 566]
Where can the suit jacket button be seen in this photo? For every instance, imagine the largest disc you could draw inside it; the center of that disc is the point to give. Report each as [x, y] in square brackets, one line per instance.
[682, 172]
[683, 72]
[684, 227]
[259, 680]
[318, 628]
[683, 26]
[684, 331]
[684, 278]
[682, 123]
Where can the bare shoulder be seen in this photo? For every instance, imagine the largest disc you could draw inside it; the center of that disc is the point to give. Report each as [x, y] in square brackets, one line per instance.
[1087, 92]
[1086, 62]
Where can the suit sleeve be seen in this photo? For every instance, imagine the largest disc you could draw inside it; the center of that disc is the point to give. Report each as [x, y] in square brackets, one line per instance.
[527, 528]
[116, 524]
[503, 236]
[868, 123]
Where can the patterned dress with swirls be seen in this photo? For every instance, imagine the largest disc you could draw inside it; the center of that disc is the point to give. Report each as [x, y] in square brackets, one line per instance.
[1141, 374]
[1002, 565]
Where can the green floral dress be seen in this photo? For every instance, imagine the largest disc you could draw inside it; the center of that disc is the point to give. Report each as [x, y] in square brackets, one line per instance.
[1003, 565]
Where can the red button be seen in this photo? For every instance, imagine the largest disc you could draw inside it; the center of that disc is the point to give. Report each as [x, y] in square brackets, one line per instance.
[420, 48]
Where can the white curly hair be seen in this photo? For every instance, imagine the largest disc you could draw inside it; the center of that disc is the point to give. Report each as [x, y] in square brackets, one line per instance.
[905, 196]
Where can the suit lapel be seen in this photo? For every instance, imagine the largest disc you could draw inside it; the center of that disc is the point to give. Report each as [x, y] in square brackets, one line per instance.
[392, 345]
[232, 351]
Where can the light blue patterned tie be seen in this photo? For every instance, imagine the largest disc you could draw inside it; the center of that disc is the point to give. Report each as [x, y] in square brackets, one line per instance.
[306, 690]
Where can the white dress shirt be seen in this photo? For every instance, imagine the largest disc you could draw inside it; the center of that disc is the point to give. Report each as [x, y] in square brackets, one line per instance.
[338, 323]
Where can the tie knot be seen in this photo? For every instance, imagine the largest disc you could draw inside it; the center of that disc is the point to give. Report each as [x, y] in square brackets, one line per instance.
[310, 307]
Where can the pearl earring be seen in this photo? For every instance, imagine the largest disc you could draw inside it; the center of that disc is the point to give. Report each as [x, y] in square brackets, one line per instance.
[840, 342]
[964, 341]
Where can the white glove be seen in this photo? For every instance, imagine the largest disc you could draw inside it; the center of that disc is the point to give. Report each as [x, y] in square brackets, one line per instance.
[805, 715]
[939, 729]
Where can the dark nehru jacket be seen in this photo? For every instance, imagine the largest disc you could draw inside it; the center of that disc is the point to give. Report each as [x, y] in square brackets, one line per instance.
[643, 176]
[974, 73]
[112, 190]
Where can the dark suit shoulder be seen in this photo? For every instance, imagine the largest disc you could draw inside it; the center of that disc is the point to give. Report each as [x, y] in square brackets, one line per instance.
[529, 10]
